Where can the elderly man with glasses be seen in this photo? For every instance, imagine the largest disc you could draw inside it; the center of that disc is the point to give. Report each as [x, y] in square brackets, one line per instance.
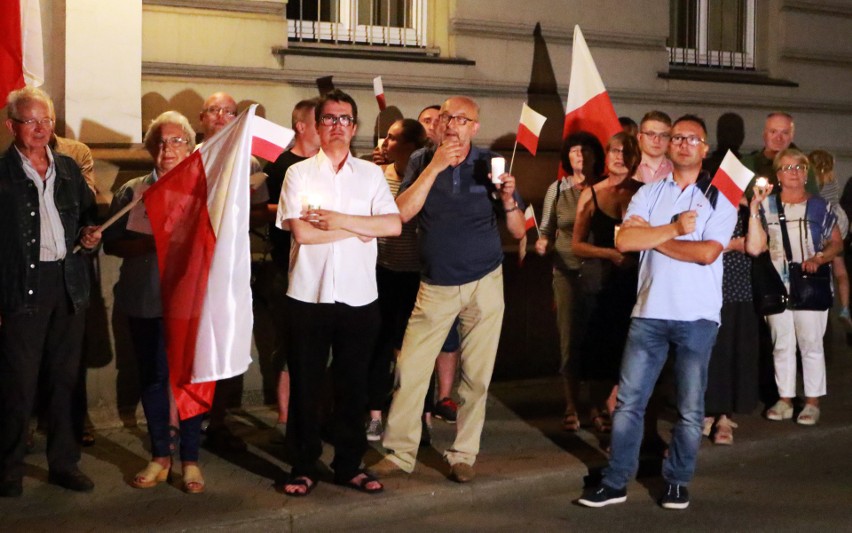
[681, 226]
[457, 203]
[45, 211]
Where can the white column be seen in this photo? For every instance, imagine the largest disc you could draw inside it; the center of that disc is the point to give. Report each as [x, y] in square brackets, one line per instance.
[103, 69]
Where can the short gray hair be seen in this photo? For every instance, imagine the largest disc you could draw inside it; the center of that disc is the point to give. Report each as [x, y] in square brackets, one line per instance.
[152, 136]
[20, 97]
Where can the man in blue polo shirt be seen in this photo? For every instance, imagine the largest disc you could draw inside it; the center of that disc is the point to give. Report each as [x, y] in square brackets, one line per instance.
[681, 233]
[457, 206]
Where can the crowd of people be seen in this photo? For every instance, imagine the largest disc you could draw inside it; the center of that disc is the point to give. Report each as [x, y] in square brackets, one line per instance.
[386, 276]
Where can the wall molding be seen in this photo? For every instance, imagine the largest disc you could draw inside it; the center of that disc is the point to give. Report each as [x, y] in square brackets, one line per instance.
[491, 89]
[256, 7]
[828, 9]
[823, 58]
[563, 35]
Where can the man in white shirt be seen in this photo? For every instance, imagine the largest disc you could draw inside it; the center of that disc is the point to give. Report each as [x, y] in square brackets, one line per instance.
[336, 206]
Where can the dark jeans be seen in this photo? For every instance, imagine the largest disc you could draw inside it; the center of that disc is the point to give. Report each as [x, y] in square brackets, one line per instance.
[350, 333]
[148, 338]
[49, 341]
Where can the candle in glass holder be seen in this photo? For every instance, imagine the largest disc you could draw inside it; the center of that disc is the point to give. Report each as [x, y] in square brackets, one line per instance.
[498, 168]
[761, 183]
[314, 201]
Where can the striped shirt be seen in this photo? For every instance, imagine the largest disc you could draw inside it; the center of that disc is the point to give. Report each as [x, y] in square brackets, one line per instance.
[399, 253]
[52, 233]
[557, 220]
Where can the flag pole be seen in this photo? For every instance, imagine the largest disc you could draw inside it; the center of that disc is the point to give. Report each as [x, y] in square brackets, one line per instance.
[537, 230]
[512, 162]
[114, 218]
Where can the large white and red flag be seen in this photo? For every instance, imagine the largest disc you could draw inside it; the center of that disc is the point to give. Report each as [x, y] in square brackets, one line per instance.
[732, 178]
[379, 91]
[589, 107]
[529, 129]
[199, 215]
[21, 49]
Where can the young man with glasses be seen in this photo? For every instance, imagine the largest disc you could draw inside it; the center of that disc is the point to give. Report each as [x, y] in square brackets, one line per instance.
[681, 234]
[457, 206]
[336, 205]
[654, 134]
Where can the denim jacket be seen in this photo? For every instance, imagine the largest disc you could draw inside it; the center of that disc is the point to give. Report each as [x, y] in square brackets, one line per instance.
[20, 232]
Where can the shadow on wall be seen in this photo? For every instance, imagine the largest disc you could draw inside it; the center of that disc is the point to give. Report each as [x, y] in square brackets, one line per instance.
[730, 134]
[187, 102]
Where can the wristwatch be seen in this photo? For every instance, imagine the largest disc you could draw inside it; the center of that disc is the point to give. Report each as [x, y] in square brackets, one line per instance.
[513, 208]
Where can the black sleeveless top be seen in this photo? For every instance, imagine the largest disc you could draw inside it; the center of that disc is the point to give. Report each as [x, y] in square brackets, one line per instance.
[602, 226]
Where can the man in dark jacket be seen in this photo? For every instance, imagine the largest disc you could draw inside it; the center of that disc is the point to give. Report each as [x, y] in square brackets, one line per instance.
[45, 205]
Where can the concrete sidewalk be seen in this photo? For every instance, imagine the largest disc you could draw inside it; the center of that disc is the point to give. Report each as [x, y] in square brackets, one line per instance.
[524, 451]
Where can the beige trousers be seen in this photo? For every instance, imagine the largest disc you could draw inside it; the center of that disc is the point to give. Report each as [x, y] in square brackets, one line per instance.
[479, 306]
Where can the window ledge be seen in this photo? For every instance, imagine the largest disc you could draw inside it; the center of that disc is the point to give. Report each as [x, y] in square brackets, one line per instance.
[723, 75]
[376, 53]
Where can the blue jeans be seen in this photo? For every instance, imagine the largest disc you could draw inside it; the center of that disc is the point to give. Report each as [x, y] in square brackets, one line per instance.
[647, 349]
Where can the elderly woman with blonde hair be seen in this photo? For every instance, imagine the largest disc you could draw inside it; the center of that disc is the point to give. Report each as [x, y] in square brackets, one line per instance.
[800, 232]
[169, 140]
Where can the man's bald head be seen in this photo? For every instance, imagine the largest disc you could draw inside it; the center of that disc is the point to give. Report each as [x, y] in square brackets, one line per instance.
[219, 110]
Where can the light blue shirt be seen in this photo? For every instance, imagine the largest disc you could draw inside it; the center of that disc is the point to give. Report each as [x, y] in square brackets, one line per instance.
[51, 230]
[670, 289]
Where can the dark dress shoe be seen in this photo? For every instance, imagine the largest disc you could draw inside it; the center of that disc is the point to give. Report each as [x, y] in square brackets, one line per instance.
[12, 488]
[71, 480]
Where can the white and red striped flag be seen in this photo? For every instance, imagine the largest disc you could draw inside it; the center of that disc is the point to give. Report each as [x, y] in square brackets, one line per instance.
[589, 107]
[732, 178]
[21, 50]
[529, 129]
[268, 139]
[379, 91]
[199, 214]
[529, 223]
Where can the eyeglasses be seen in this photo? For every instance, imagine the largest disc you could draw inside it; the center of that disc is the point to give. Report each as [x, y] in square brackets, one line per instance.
[331, 120]
[656, 136]
[793, 168]
[213, 111]
[172, 142]
[616, 151]
[44, 122]
[461, 120]
[691, 140]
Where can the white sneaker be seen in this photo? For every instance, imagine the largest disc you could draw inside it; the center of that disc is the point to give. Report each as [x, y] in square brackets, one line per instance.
[375, 430]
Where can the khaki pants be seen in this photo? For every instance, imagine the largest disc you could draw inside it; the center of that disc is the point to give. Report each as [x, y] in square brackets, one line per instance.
[479, 306]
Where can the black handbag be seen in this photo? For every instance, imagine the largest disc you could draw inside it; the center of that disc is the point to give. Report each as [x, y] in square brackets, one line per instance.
[808, 291]
[770, 294]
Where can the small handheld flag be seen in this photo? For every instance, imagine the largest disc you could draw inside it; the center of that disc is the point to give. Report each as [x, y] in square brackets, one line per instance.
[732, 178]
[379, 91]
[529, 128]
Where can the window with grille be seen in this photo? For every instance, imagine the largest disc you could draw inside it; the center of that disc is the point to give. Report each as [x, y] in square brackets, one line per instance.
[380, 22]
[712, 33]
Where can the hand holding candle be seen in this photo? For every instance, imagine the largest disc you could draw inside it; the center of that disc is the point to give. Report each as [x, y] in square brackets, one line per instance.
[314, 203]
[761, 183]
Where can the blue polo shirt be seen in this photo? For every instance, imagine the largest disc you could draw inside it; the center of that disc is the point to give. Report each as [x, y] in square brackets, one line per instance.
[458, 238]
[677, 290]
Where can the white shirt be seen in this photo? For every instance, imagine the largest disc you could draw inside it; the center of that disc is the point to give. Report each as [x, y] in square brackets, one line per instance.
[52, 232]
[342, 271]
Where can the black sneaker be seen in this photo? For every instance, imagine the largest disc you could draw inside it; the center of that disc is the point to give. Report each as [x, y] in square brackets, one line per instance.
[446, 410]
[602, 495]
[675, 497]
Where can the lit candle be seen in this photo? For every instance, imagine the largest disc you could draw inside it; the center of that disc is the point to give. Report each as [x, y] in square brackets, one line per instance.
[498, 168]
[761, 183]
[314, 201]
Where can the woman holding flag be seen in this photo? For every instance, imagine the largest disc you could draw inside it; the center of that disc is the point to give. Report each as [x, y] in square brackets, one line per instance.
[583, 155]
[169, 139]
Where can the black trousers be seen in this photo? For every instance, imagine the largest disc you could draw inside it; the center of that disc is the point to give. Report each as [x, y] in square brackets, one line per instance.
[350, 333]
[49, 341]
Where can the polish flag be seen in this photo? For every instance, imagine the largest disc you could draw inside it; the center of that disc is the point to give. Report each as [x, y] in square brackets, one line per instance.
[732, 178]
[268, 139]
[21, 50]
[529, 223]
[529, 129]
[379, 91]
[589, 107]
[199, 214]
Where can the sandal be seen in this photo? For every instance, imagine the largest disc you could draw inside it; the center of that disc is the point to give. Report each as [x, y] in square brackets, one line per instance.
[151, 476]
[724, 431]
[809, 415]
[361, 486]
[300, 481]
[193, 481]
[570, 422]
